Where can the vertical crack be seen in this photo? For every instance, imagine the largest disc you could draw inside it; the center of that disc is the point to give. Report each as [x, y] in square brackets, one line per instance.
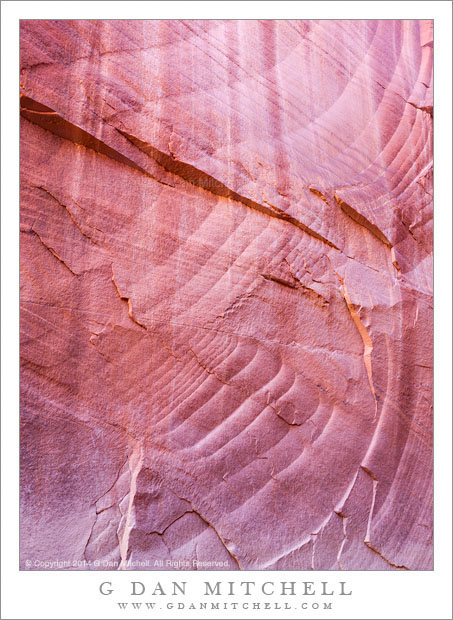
[129, 303]
[345, 537]
[373, 500]
[365, 336]
[135, 466]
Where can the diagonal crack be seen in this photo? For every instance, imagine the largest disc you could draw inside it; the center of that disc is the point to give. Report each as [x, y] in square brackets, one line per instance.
[206, 369]
[205, 181]
[399, 566]
[362, 220]
[117, 476]
[186, 512]
[78, 226]
[222, 539]
[428, 109]
[52, 251]
[50, 120]
[272, 278]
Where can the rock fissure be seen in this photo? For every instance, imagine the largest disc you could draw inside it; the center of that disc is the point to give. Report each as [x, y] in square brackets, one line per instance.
[54, 253]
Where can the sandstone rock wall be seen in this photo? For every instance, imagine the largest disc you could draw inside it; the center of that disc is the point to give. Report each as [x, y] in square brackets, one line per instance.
[226, 293]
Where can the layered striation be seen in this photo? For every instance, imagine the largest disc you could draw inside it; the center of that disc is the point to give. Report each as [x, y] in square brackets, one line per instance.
[226, 293]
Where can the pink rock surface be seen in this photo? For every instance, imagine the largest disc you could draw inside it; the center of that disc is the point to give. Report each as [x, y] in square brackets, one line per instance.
[226, 293]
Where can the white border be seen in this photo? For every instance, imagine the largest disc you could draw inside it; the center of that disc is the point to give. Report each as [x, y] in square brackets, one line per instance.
[375, 595]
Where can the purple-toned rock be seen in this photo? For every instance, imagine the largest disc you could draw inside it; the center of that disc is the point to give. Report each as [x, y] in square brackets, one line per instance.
[226, 294]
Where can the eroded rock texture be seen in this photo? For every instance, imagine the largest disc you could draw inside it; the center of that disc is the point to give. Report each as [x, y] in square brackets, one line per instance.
[226, 250]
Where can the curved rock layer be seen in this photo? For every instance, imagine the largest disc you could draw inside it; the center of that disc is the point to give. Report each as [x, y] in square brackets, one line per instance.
[226, 294]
